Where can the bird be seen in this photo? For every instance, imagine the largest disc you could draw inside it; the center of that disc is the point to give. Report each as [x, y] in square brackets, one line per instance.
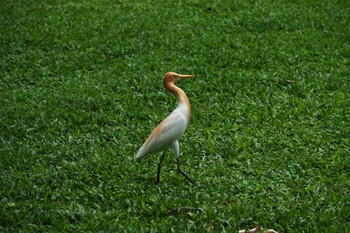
[167, 134]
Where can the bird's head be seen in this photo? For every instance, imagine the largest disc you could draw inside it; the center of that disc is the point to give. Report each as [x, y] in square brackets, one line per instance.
[172, 77]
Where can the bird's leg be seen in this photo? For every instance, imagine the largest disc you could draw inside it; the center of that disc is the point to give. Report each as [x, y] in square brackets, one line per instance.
[160, 166]
[184, 173]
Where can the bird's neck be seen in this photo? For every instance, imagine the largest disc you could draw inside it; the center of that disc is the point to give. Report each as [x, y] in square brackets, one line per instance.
[184, 103]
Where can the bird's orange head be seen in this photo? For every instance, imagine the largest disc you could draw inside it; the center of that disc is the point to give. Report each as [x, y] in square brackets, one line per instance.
[172, 77]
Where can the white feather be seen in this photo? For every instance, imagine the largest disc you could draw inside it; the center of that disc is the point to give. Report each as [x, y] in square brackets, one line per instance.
[166, 133]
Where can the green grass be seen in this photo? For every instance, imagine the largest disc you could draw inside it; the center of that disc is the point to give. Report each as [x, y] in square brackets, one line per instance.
[81, 89]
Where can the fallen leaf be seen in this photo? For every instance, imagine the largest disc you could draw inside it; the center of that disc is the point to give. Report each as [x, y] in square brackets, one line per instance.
[254, 230]
[271, 231]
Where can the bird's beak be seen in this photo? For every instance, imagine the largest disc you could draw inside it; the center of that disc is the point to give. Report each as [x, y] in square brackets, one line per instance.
[183, 76]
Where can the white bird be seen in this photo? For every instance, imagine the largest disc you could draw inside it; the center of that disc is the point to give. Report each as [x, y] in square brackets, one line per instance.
[168, 132]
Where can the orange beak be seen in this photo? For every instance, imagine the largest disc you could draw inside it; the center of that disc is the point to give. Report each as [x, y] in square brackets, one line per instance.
[183, 76]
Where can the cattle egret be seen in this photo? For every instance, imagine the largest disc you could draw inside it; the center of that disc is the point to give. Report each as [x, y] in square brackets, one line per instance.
[168, 132]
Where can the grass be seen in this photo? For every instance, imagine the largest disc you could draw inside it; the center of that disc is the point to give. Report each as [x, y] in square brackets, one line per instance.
[81, 89]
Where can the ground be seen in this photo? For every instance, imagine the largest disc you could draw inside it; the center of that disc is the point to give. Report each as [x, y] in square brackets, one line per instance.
[81, 89]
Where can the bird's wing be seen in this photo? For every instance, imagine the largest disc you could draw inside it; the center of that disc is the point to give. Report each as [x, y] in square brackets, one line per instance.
[168, 131]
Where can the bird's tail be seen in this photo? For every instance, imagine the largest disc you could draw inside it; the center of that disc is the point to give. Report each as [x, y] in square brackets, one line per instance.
[140, 153]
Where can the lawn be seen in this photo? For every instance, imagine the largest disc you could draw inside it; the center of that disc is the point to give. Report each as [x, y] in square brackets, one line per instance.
[81, 89]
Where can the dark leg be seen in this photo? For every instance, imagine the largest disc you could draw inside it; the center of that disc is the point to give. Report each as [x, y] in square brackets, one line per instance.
[184, 173]
[160, 166]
